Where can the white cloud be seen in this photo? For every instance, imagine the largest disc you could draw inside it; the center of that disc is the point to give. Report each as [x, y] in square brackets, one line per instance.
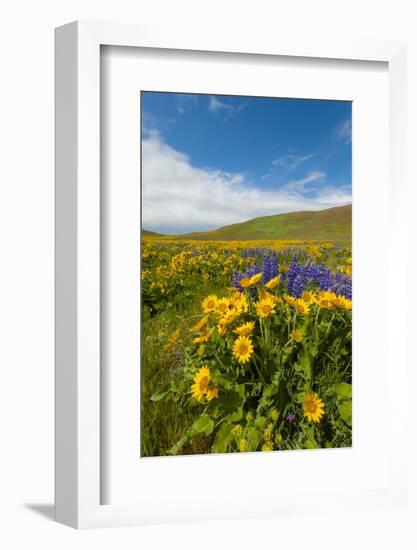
[226, 109]
[183, 102]
[291, 162]
[343, 131]
[300, 185]
[178, 197]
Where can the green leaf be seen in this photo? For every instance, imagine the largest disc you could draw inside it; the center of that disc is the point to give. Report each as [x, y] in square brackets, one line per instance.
[253, 437]
[343, 390]
[223, 438]
[260, 422]
[157, 396]
[345, 411]
[311, 442]
[230, 403]
[202, 426]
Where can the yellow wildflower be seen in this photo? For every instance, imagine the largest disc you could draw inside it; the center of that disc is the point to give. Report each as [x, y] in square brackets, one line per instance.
[222, 305]
[297, 335]
[265, 308]
[302, 307]
[201, 381]
[242, 349]
[209, 303]
[200, 325]
[172, 339]
[211, 393]
[246, 329]
[313, 407]
[273, 283]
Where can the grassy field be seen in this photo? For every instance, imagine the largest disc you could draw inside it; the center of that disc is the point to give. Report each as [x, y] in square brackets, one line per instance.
[332, 223]
[164, 422]
[176, 277]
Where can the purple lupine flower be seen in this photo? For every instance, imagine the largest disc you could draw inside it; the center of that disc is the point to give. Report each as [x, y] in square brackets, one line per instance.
[290, 417]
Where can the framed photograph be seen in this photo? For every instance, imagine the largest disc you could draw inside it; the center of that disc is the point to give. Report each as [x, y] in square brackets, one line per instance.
[223, 211]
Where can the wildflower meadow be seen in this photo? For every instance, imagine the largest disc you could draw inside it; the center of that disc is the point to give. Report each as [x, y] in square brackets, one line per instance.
[246, 345]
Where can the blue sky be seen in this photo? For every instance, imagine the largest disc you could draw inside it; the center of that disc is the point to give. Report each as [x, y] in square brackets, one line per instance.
[211, 160]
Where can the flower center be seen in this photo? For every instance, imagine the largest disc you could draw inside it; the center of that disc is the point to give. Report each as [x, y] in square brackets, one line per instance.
[204, 383]
[243, 348]
[311, 406]
[266, 308]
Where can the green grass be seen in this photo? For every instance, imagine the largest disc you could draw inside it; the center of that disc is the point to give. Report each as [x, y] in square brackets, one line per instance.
[164, 422]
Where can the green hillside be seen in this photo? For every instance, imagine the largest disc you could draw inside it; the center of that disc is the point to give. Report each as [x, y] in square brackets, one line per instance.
[151, 234]
[333, 223]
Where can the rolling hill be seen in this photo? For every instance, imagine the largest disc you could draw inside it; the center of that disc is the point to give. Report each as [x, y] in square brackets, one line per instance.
[332, 223]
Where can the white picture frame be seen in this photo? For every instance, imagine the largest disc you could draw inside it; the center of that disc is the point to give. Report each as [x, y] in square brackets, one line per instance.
[78, 412]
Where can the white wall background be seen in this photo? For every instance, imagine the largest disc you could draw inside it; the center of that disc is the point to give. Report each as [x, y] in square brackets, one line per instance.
[26, 268]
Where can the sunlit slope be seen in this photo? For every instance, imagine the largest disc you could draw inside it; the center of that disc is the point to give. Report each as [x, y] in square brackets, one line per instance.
[333, 223]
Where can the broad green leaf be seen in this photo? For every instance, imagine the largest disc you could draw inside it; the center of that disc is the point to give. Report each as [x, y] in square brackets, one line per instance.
[253, 437]
[310, 439]
[230, 403]
[157, 396]
[223, 438]
[202, 426]
[343, 390]
[345, 410]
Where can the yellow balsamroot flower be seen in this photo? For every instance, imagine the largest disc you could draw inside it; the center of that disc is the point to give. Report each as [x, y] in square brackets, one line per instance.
[308, 297]
[342, 303]
[325, 299]
[211, 393]
[290, 300]
[273, 283]
[240, 302]
[297, 335]
[278, 439]
[244, 282]
[200, 325]
[203, 338]
[302, 307]
[231, 315]
[242, 349]
[246, 329]
[222, 305]
[222, 327]
[209, 303]
[172, 339]
[250, 282]
[313, 407]
[254, 280]
[263, 294]
[267, 446]
[265, 307]
[201, 381]
[243, 445]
